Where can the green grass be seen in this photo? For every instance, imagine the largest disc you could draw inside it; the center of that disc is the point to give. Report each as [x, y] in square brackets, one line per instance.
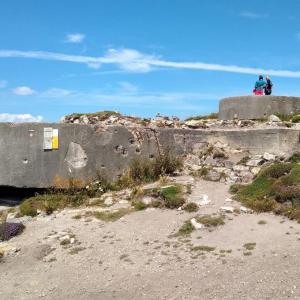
[186, 229]
[295, 158]
[262, 222]
[273, 187]
[210, 221]
[107, 216]
[172, 196]
[139, 205]
[204, 117]
[203, 248]
[249, 246]
[142, 170]
[191, 207]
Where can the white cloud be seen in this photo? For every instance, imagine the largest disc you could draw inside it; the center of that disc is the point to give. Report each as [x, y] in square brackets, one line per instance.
[56, 93]
[3, 84]
[252, 15]
[128, 87]
[23, 91]
[19, 118]
[75, 38]
[131, 60]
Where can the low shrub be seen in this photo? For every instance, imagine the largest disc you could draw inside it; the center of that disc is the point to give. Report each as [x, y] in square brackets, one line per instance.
[277, 170]
[276, 188]
[146, 170]
[296, 119]
[295, 158]
[139, 205]
[186, 229]
[172, 196]
[191, 207]
[204, 117]
[234, 188]
[211, 221]
[9, 230]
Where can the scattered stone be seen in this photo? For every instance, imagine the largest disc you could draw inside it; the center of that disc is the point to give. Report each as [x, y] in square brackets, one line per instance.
[268, 156]
[227, 209]
[196, 224]
[109, 201]
[255, 162]
[228, 200]
[273, 118]
[245, 210]
[204, 200]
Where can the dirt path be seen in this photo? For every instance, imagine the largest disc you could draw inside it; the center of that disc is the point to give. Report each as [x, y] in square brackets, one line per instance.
[137, 257]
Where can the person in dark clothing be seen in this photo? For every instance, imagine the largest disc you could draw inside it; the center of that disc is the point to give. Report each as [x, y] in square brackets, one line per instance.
[268, 87]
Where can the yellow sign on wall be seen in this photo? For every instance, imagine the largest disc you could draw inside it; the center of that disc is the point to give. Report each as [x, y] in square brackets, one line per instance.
[55, 139]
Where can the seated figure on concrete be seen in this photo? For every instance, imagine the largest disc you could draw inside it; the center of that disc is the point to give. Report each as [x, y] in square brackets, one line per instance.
[259, 86]
[268, 87]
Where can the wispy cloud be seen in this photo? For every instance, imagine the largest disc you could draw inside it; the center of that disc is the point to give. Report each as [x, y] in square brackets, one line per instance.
[75, 38]
[3, 84]
[128, 87]
[253, 15]
[19, 118]
[131, 60]
[56, 93]
[23, 91]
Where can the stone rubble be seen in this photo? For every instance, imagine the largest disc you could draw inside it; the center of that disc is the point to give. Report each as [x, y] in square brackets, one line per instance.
[104, 119]
[218, 162]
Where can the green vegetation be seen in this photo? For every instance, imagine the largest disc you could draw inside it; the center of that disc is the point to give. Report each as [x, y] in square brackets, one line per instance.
[296, 118]
[186, 229]
[203, 248]
[210, 221]
[110, 216]
[244, 160]
[143, 170]
[204, 117]
[249, 246]
[191, 207]
[172, 196]
[295, 158]
[139, 205]
[73, 193]
[293, 117]
[276, 188]
[262, 222]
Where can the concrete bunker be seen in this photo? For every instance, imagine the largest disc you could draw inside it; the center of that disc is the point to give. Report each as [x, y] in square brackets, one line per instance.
[257, 107]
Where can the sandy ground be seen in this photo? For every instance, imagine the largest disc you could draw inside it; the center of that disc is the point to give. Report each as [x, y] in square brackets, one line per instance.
[137, 257]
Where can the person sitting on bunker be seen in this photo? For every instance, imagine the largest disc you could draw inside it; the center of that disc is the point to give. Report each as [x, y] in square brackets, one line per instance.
[268, 87]
[259, 86]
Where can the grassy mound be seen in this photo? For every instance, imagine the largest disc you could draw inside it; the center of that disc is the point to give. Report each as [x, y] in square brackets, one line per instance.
[276, 188]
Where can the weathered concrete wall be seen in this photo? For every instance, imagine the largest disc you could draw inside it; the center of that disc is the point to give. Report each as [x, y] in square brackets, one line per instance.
[256, 107]
[85, 150]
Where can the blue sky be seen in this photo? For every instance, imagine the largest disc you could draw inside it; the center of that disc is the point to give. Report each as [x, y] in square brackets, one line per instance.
[176, 57]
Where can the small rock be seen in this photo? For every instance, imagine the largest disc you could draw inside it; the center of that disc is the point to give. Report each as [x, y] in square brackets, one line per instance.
[108, 201]
[255, 170]
[245, 210]
[255, 162]
[228, 200]
[147, 200]
[268, 156]
[204, 200]
[72, 240]
[228, 209]
[273, 118]
[240, 168]
[196, 224]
